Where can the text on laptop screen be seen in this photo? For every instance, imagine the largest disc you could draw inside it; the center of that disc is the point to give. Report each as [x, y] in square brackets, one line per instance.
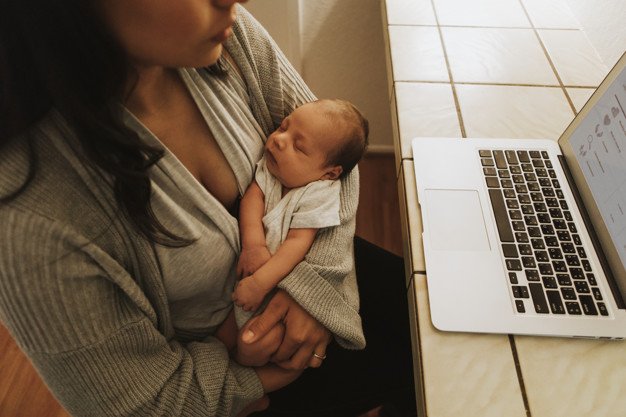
[598, 145]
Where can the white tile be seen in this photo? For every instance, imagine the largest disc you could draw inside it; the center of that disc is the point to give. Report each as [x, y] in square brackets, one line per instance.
[410, 12]
[469, 375]
[594, 372]
[575, 59]
[498, 13]
[513, 112]
[580, 96]
[552, 14]
[493, 55]
[416, 54]
[425, 110]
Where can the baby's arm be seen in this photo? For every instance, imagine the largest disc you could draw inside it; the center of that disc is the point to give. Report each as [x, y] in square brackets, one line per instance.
[254, 252]
[251, 290]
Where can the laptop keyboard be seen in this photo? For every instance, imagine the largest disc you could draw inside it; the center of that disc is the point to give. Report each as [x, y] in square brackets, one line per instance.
[547, 266]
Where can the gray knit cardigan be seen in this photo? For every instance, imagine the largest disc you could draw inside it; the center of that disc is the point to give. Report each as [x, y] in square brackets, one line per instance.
[82, 293]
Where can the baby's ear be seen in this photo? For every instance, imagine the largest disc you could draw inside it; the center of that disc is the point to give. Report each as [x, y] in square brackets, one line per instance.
[332, 173]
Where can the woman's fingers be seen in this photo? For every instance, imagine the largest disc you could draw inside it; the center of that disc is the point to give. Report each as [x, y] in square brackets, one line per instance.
[318, 356]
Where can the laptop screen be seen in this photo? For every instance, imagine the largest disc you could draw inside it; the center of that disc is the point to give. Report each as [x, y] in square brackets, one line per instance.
[594, 146]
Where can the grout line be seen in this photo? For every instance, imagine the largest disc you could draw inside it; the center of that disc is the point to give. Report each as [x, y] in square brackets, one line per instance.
[520, 377]
[445, 56]
[475, 27]
[545, 51]
[496, 84]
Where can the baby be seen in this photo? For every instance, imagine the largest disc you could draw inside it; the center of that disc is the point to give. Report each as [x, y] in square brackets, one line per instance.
[295, 192]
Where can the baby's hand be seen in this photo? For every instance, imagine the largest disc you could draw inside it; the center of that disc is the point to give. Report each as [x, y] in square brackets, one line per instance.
[251, 259]
[249, 294]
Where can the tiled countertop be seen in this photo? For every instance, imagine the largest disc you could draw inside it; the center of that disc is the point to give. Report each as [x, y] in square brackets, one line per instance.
[492, 68]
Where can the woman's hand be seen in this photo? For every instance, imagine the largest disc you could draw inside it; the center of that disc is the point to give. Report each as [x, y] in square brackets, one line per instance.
[304, 335]
[251, 259]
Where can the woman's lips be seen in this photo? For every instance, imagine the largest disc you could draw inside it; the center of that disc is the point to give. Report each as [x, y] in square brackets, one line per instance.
[223, 35]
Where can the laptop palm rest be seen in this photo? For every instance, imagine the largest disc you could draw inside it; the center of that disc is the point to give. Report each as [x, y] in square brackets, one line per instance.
[455, 220]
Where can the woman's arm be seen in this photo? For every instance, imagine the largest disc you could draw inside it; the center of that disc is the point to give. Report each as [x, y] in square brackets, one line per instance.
[95, 337]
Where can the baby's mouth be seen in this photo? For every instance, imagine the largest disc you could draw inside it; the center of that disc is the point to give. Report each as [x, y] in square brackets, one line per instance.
[270, 156]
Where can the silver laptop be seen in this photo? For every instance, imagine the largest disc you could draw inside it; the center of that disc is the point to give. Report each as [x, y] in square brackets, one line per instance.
[529, 236]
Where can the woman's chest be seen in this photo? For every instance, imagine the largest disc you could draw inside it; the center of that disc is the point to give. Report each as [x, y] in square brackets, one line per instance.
[186, 134]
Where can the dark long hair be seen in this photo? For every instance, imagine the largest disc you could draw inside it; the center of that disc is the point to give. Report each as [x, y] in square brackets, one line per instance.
[59, 54]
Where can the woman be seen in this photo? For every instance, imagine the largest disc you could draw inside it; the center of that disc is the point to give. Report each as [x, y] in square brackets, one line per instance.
[118, 222]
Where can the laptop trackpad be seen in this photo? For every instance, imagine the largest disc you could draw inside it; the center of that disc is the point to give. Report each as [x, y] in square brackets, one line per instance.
[456, 220]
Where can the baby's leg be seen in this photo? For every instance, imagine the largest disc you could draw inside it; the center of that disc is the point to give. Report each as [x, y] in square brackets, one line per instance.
[227, 332]
[259, 352]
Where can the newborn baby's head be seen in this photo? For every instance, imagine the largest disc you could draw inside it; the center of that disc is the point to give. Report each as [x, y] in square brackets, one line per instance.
[322, 140]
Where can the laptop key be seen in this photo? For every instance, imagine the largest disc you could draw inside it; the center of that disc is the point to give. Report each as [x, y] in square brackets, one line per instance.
[509, 250]
[549, 282]
[525, 249]
[564, 236]
[499, 210]
[573, 308]
[500, 160]
[589, 307]
[586, 265]
[568, 293]
[567, 247]
[556, 304]
[492, 182]
[512, 277]
[518, 225]
[603, 309]
[504, 173]
[521, 237]
[538, 244]
[487, 162]
[596, 293]
[546, 269]
[581, 287]
[484, 153]
[576, 239]
[513, 264]
[512, 204]
[520, 291]
[555, 253]
[544, 155]
[542, 256]
[539, 299]
[511, 157]
[535, 154]
[559, 266]
[551, 241]
[572, 260]
[519, 306]
[528, 262]
[592, 279]
[563, 279]
[532, 275]
[523, 156]
[490, 172]
[527, 209]
[577, 273]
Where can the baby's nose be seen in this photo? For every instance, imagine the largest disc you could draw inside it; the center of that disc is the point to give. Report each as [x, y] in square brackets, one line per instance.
[279, 141]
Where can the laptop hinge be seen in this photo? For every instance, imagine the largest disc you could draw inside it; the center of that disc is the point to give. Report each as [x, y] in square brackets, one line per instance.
[592, 233]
